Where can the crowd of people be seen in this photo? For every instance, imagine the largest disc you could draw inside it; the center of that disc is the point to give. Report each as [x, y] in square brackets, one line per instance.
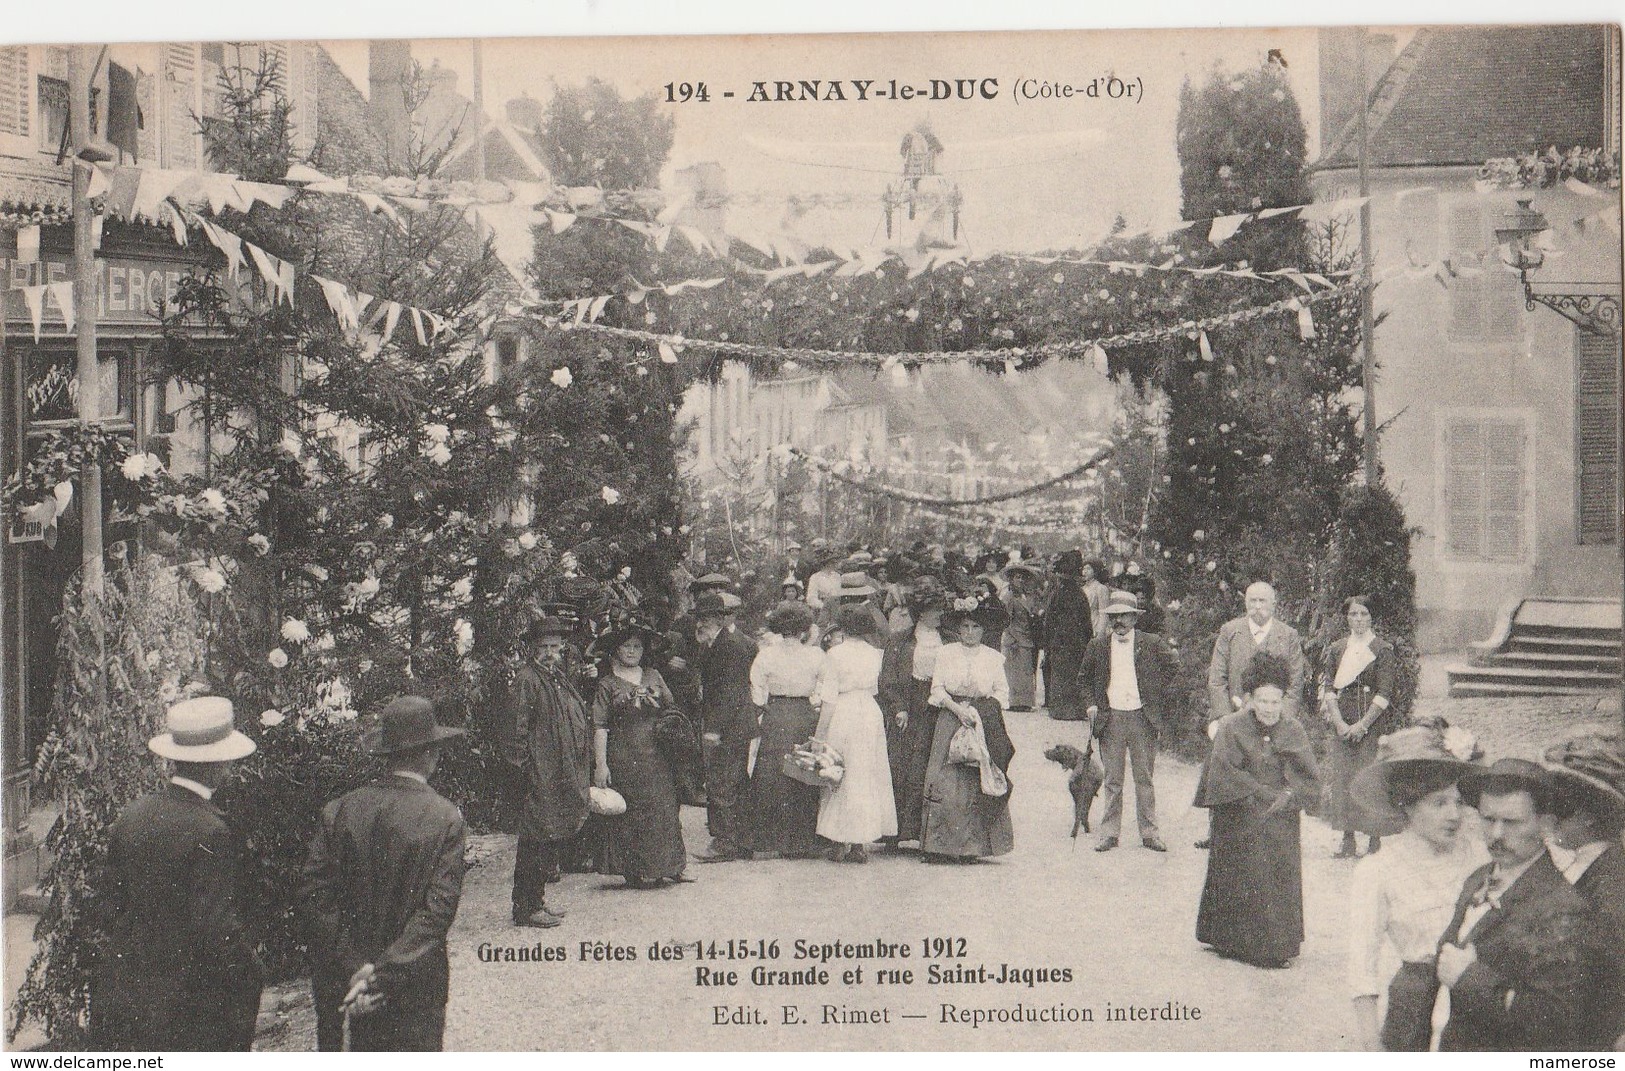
[867, 714]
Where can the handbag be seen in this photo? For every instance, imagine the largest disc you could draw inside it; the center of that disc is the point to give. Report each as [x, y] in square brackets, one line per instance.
[965, 747]
[605, 801]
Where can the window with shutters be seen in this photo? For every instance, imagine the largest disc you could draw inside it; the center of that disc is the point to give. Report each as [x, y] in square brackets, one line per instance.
[1596, 439]
[1485, 489]
[16, 100]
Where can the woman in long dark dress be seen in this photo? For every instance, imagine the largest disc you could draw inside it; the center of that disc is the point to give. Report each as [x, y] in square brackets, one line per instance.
[783, 812]
[905, 694]
[1068, 628]
[645, 844]
[1356, 690]
[1260, 774]
[962, 821]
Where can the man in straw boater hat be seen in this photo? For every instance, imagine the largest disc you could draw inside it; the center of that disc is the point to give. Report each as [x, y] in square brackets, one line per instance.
[550, 743]
[1125, 677]
[1588, 776]
[381, 887]
[1402, 899]
[1521, 955]
[178, 972]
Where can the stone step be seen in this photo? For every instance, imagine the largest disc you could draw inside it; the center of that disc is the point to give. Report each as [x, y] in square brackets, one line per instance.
[1578, 645]
[1522, 659]
[1529, 681]
[1467, 690]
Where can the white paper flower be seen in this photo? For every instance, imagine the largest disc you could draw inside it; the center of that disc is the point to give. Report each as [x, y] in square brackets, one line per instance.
[295, 630]
[290, 444]
[1460, 743]
[210, 580]
[261, 545]
[212, 500]
[439, 453]
[365, 665]
[1199, 535]
[463, 590]
[1174, 605]
[324, 642]
[625, 573]
[527, 540]
[464, 632]
[272, 718]
[611, 496]
[1211, 566]
[437, 433]
[134, 467]
[365, 588]
[1266, 459]
[278, 657]
[562, 378]
[318, 572]
[511, 548]
[386, 521]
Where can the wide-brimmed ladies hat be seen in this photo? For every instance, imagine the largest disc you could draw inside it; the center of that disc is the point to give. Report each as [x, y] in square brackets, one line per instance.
[1589, 768]
[711, 582]
[406, 723]
[858, 561]
[1437, 751]
[855, 584]
[201, 730]
[1031, 572]
[606, 643]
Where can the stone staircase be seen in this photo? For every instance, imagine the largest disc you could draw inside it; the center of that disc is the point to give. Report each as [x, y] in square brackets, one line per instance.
[1546, 646]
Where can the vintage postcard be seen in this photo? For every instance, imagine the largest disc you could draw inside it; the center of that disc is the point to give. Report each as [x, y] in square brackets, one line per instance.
[1064, 540]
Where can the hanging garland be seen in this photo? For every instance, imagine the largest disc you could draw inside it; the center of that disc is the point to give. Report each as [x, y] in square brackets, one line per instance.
[897, 494]
[1189, 328]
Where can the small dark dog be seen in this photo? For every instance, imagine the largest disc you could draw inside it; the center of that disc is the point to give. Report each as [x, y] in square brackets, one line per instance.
[1085, 776]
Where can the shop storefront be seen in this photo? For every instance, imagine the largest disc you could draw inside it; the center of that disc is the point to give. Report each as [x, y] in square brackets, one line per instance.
[137, 268]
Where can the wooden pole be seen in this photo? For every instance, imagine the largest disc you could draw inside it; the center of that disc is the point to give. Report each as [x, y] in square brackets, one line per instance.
[1368, 357]
[81, 60]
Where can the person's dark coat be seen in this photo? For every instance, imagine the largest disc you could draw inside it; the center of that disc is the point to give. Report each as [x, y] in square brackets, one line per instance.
[551, 741]
[381, 886]
[1067, 628]
[178, 972]
[1154, 672]
[725, 685]
[1603, 886]
[1538, 963]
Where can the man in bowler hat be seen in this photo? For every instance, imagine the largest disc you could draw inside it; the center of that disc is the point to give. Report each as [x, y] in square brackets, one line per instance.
[178, 972]
[381, 888]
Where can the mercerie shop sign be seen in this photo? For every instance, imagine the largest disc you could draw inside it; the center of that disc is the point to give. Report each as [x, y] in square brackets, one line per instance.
[129, 289]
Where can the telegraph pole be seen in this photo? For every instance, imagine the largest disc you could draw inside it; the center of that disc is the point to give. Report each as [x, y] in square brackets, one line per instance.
[1368, 357]
[81, 65]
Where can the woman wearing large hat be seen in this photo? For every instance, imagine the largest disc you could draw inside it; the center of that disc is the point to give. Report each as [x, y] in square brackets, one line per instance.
[962, 822]
[1588, 778]
[905, 692]
[644, 844]
[1403, 896]
[859, 809]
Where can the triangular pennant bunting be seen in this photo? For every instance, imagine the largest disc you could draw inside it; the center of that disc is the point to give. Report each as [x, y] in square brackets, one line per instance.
[34, 298]
[63, 293]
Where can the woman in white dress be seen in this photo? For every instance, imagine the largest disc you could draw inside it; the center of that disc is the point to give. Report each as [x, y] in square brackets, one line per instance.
[860, 809]
[1404, 896]
[962, 822]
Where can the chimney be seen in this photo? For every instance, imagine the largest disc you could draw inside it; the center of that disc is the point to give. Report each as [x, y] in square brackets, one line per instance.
[1339, 82]
[389, 74]
[525, 114]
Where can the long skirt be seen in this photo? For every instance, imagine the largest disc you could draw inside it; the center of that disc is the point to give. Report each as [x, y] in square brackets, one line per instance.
[959, 820]
[909, 748]
[1252, 903]
[781, 813]
[860, 809]
[1021, 671]
[1063, 692]
[1343, 761]
[646, 842]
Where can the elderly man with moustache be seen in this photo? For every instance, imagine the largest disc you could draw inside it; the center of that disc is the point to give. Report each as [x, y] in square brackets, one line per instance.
[1239, 639]
[1521, 954]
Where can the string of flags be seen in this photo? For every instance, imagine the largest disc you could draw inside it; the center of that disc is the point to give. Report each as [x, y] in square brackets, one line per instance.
[833, 469]
[1095, 350]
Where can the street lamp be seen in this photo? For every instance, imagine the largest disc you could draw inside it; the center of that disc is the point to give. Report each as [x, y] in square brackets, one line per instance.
[1592, 306]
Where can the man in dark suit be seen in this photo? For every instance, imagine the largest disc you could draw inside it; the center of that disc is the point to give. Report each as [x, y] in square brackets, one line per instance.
[381, 888]
[178, 972]
[1125, 677]
[730, 720]
[1520, 956]
[550, 744]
